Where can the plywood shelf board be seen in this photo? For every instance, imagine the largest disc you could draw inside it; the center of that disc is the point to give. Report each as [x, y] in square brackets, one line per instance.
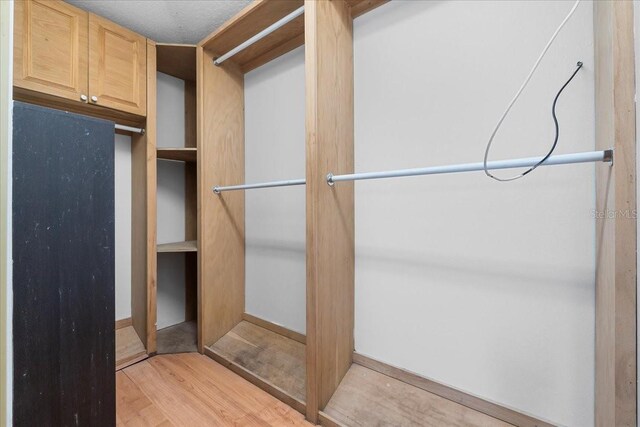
[366, 397]
[188, 246]
[187, 154]
[177, 60]
[129, 347]
[278, 360]
[258, 16]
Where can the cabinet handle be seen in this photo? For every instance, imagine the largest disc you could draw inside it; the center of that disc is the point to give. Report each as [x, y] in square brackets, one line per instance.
[94, 98]
[83, 98]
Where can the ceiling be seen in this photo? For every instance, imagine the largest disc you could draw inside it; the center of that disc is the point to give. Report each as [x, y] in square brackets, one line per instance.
[166, 21]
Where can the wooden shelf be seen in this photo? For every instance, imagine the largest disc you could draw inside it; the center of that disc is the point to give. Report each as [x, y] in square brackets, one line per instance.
[366, 398]
[271, 361]
[188, 246]
[188, 154]
[177, 60]
[258, 16]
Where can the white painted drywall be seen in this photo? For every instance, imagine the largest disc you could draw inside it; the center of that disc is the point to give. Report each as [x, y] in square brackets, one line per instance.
[6, 264]
[122, 160]
[275, 218]
[170, 202]
[484, 286]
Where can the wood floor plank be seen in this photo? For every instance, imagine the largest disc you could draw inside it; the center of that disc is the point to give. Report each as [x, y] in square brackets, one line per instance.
[192, 390]
[133, 407]
[277, 359]
[369, 398]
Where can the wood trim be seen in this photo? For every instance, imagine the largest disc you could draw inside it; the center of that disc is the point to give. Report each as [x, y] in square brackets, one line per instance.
[258, 381]
[273, 327]
[276, 52]
[123, 323]
[487, 407]
[131, 360]
[221, 217]
[151, 199]
[616, 245]
[360, 7]
[51, 101]
[327, 421]
[330, 210]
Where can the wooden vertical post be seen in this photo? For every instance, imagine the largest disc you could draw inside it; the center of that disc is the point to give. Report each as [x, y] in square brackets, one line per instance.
[220, 217]
[616, 223]
[143, 216]
[330, 210]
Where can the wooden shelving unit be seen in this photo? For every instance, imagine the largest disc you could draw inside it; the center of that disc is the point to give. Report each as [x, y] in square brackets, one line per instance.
[186, 246]
[179, 61]
[183, 154]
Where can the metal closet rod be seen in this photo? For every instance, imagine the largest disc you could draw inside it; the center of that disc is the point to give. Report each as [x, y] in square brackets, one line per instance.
[130, 129]
[262, 34]
[562, 159]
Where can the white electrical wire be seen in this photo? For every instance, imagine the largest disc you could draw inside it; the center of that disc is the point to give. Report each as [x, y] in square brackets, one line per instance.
[515, 98]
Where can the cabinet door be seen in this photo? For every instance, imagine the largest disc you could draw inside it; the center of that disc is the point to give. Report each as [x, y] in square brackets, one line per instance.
[63, 269]
[117, 67]
[51, 48]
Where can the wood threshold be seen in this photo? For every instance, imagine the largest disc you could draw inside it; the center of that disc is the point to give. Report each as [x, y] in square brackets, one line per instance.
[186, 154]
[129, 347]
[131, 360]
[367, 397]
[492, 409]
[257, 380]
[123, 323]
[175, 247]
[274, 327]
[273, 362]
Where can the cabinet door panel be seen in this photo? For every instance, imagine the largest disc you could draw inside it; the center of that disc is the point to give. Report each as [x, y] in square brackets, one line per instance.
[117, 67]
[51, 48]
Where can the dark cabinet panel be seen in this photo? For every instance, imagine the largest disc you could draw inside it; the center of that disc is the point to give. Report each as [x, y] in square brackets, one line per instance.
[63, 269]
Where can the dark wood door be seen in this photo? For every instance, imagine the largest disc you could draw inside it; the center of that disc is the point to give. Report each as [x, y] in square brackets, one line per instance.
[63, 269]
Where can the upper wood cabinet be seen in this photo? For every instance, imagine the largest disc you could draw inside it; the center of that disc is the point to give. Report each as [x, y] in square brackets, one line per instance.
[50, 48]
[117, 66]
[63, 51]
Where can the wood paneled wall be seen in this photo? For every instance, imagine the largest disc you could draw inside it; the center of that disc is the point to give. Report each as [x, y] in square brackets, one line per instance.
[616, 243]
[221, 219]
[330, 210]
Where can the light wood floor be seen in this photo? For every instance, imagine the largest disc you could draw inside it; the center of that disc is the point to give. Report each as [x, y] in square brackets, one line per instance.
[192, 390]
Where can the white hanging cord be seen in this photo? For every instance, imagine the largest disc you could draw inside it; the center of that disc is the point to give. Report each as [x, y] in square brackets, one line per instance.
[515, 98]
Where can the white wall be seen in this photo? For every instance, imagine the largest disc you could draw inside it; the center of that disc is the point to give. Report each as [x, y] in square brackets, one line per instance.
[6, 269]
[485, 286]
[122, 160]
[275, 218]
[170, 202]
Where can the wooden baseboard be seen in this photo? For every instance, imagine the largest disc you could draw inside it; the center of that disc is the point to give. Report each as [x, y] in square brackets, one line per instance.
[494, 410]
[123, 323]
[278, 329]
[258, 381]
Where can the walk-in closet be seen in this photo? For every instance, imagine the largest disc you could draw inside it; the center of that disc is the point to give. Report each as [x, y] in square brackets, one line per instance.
[319, 212]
